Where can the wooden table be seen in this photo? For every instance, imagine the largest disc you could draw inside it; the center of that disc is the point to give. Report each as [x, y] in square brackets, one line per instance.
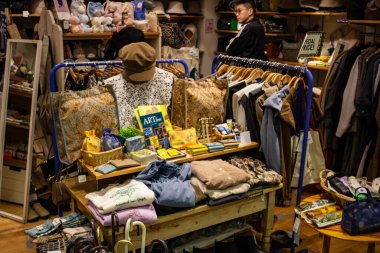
[183, 222]
[337, 232]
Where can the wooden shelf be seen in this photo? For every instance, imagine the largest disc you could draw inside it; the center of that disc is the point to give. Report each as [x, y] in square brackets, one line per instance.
[33, 15]
[218, 52]
[20, 92]
[15, 163]
[278, 34]
[9, 123]
[364, 22]
[99, 36]
[225, 12]
[188, 158]
[303, 13]
[227, 31]
[175, 16]
[266, 34]
[267, 13]
[325, 68]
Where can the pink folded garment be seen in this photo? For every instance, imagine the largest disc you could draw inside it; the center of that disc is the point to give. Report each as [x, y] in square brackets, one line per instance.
[144, 214]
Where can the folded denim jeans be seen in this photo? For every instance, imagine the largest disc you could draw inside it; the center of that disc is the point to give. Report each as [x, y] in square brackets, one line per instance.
[44, 229]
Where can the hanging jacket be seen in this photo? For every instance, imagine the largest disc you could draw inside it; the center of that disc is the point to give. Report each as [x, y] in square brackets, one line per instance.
[270, 129]
[170, 183]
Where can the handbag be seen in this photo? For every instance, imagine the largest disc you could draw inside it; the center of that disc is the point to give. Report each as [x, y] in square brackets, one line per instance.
[361, 217]
[172, 35]
[209, 96]
[79, 111]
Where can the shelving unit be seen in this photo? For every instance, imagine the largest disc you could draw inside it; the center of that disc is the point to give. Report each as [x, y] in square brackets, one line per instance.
[174, 16]
[266, 34]
[99, 176]
[100, 36]
[33, 15]
[20, 92]
[15, 163]
[13, 124]
[325, 68]
[364, 22]
[302, 13]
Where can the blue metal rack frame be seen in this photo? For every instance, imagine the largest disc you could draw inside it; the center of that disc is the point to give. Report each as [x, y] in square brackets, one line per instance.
[232, 60]
[53, 88]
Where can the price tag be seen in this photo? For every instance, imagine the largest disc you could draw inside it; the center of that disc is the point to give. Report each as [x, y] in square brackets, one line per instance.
[82, 178]
[296, 225]
[25, 14]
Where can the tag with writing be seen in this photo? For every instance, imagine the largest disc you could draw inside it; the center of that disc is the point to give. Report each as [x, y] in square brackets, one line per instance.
[82, 178]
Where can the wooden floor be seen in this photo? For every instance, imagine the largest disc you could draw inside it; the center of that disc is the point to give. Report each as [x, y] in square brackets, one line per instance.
[13, 239]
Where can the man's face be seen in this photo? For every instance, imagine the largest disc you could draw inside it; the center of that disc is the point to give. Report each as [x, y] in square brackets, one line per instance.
[243, 12]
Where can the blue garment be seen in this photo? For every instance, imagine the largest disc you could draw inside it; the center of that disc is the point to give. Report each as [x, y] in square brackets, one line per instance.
[270, 129]
[170, 183]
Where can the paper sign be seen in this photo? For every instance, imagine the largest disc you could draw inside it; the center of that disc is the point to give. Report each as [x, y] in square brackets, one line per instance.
[245, 138]
[209, 25]
[311, 45]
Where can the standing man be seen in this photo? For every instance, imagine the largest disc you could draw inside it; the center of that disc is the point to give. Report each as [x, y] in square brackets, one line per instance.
[249, 42]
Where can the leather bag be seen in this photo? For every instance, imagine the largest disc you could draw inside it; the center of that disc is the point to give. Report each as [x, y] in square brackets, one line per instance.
[193, 100]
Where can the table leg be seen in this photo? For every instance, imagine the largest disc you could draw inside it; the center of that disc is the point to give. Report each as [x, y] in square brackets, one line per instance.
[267, 223]
[371, 247]
[326, 244]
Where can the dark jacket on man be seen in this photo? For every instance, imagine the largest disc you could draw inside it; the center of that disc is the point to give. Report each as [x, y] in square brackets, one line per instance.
[249, 42]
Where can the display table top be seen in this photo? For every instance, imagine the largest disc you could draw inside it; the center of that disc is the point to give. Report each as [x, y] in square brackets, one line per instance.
[336, 231]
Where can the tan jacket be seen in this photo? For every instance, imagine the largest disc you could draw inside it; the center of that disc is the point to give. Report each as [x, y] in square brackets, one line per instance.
[218, 174]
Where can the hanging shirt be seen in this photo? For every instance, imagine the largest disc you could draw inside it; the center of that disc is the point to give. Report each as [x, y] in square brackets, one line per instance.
[249, 42]
[129, 96]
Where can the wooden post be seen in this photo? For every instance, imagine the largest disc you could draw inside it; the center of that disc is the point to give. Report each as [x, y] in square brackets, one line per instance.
[267, 223]
[326, 244]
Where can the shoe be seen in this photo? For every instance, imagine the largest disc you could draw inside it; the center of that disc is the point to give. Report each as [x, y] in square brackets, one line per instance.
[246, 244]
[40, 210]
[32, 215]
[225, 247]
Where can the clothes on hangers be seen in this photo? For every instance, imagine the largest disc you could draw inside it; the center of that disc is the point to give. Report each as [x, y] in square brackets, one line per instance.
[349, 103]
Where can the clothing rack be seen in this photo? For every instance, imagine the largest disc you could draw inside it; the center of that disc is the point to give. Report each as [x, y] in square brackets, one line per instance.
[239, 61]
[53, 88]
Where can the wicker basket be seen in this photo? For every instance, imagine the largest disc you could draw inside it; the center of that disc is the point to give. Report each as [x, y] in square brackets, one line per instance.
[340, 199]
[95, 159]
[219, 136]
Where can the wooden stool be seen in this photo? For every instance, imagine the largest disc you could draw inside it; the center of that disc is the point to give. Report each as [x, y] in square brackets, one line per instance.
[337, 232]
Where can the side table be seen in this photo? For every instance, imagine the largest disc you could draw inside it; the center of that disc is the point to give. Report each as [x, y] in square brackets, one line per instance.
[337, 232]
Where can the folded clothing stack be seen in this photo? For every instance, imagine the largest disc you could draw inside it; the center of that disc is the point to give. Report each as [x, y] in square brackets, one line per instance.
[197, 149]
[214, 146]
[229, 143]
[170, 182]
[144, 214]
[49, 227]
[132, 193]
[218, 180]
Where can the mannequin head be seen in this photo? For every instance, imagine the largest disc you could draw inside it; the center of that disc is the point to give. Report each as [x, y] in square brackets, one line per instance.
[244, 10]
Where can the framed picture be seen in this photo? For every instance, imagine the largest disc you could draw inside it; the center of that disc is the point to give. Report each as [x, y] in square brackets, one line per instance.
[311, 45]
